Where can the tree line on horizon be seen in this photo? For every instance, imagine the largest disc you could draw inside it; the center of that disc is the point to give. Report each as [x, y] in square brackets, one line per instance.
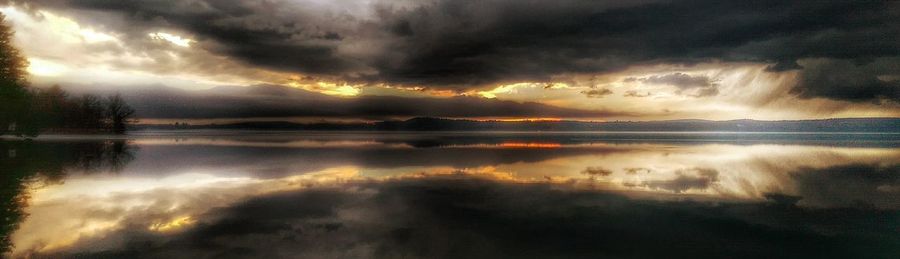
[27, 111]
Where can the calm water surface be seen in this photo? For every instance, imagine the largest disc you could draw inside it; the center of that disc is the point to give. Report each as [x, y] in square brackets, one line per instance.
[212, 194]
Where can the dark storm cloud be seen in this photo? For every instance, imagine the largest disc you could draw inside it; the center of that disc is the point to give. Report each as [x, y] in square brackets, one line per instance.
[452, 217]
[461, 44]
[278, 101]
[852, 81]
[509, 40]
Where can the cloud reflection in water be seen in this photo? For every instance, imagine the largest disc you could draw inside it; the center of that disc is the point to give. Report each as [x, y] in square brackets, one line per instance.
[383, 199]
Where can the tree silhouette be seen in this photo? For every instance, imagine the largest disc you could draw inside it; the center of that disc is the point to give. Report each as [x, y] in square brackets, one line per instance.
[12, 64]
[14, 97]
[118, 112]
[92, 112]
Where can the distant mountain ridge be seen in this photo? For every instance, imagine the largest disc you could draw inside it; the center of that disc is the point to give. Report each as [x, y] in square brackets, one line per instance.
[442, 124]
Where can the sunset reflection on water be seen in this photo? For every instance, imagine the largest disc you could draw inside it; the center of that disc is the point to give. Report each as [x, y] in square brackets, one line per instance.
[175, 188]
[530, 145]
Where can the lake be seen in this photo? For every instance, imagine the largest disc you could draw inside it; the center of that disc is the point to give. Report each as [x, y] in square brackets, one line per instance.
[247, 194]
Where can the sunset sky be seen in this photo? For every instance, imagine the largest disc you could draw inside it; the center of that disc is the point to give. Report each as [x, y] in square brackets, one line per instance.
[378, 59]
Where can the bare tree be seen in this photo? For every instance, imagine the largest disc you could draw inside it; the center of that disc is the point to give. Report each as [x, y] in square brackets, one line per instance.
[89, 112]
[118, 113]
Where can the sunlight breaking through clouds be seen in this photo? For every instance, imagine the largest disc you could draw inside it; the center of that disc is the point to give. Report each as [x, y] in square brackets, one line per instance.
[48, 68]
[172, 225]
[65, 29]
[171, 38]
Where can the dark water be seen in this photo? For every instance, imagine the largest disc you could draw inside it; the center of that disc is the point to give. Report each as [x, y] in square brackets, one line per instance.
[207, 194]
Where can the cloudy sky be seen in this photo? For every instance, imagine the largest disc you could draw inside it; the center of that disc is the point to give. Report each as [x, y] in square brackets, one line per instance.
[375, 59]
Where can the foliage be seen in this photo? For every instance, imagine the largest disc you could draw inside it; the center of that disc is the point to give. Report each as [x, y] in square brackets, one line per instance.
[14, 97]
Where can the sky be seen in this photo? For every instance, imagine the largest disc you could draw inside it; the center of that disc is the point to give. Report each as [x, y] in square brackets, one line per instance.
[486, 59]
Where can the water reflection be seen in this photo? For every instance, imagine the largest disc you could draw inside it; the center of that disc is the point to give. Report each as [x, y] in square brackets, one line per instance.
[431, 195]
[28, 165]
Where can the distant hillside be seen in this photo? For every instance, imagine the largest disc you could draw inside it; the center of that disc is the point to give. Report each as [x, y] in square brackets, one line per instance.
[439, 124]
